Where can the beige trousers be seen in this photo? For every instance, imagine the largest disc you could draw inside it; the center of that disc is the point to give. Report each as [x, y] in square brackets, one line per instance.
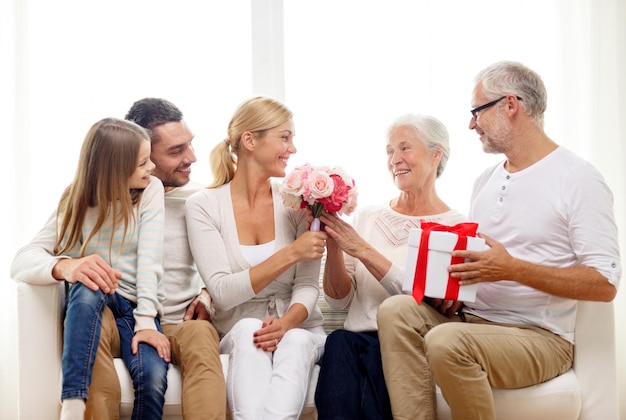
[195, 348]
[465, 357]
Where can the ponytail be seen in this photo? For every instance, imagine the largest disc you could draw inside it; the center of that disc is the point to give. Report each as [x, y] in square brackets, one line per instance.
[223, 164]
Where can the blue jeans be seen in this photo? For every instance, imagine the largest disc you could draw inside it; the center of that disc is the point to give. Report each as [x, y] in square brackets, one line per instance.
[351, 384]
[80, 342]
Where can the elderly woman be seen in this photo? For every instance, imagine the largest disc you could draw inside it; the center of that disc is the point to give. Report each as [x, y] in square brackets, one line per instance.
[365, 265]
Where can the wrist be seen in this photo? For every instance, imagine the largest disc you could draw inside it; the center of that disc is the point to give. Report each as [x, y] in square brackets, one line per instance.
[58, 270]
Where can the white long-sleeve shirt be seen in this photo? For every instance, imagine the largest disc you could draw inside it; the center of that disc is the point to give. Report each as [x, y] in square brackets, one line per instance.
[558, 213]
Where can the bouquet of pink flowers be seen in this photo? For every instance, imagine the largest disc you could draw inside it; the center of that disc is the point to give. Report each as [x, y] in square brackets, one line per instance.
[319, 188]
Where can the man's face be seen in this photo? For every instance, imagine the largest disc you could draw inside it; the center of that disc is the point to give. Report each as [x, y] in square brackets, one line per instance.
[173, 154]
[491, 124]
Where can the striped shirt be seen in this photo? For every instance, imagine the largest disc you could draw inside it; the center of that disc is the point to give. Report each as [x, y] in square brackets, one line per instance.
[138, 255]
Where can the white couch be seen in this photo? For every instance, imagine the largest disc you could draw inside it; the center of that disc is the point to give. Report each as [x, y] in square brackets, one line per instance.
[587, 392]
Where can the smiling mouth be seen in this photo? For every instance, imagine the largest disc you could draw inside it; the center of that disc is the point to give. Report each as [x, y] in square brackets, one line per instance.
[402, 172]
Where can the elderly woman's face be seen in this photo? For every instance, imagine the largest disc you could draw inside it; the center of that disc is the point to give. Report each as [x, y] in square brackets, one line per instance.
[410, 163]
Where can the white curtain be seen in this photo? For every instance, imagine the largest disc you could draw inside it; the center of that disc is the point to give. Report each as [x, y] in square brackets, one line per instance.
[346, 68]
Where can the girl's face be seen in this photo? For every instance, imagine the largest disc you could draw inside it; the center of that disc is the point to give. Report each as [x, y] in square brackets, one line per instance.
[275, 148]
[412, 166]
[140, 178]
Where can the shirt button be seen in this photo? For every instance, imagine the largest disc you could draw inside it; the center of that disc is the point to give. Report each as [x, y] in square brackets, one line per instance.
[503, 188]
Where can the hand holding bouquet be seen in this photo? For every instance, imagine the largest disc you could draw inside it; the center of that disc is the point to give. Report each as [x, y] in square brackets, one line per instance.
[319, 188]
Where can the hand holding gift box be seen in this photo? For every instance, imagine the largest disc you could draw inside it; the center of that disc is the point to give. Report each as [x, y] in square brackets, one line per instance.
[429, 256]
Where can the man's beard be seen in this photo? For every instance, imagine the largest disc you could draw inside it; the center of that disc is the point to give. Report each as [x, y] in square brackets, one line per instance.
[499, 139]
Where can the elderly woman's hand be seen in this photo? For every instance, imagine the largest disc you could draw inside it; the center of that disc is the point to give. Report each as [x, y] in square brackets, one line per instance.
[342, 233]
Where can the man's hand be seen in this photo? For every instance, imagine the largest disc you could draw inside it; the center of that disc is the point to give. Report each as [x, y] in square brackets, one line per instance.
[444, 306]
[494, 264]
[199, 308]
[157, 340]
[93, 271]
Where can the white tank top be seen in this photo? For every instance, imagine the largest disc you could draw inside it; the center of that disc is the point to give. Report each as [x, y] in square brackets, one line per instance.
[256, 254]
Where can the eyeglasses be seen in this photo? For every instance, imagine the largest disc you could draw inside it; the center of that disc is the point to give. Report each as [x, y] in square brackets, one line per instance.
[476, 110]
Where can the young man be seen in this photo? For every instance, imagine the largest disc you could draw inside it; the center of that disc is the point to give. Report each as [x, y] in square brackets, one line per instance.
[547, 217]
[194, 341]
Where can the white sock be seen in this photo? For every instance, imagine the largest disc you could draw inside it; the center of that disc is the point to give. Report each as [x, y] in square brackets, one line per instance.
[73, 409]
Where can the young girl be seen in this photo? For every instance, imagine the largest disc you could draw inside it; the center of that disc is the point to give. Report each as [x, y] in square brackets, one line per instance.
[113, 213]
[260, 265]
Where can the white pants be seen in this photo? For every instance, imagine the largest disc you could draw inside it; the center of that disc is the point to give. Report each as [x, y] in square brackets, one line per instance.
[264, 385]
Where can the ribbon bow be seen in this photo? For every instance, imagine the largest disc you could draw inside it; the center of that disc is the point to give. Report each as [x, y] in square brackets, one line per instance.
[463, 230]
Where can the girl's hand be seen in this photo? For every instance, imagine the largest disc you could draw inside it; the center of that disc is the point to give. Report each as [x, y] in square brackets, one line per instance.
[93, 271]
[269, 336]
[156, 339]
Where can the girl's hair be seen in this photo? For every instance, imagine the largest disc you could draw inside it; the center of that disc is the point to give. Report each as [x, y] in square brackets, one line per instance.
[510, 77]
[256, 115]
[108, 158]
[430, 131]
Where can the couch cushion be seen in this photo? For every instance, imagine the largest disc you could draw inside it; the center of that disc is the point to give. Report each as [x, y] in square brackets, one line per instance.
[558, 398]
[172, 395]
[333, 320]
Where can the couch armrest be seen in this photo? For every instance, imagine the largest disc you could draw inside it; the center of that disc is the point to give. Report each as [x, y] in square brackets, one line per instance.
[595, 360]
[40, 342]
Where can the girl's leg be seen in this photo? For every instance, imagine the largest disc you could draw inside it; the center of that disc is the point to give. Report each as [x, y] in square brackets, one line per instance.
[80, 339]
[147, 369]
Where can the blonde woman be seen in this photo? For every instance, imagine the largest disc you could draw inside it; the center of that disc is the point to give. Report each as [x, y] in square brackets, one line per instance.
[260, 264]
[112, 213]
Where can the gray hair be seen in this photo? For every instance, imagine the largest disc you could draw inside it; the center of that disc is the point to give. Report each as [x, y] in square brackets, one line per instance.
[430, 131]
[509, 77]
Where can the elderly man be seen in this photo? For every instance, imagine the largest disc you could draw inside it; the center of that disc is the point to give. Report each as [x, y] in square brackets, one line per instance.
[547, 218]
[194, 341]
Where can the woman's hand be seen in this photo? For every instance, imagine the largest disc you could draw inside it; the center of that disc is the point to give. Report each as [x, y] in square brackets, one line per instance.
[310, 246]
[343, 234]
[156, 339]
[270, 334]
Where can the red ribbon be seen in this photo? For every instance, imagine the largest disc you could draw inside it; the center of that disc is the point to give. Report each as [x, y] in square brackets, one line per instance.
[462, 230]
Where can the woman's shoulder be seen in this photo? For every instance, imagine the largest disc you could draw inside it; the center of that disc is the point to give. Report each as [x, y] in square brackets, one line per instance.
[208, 195]
[371, 210]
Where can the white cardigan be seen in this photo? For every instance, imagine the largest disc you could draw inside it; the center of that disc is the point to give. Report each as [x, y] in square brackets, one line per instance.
[226, 273]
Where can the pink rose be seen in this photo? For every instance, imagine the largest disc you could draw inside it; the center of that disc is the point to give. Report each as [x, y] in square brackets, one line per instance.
[320, 185]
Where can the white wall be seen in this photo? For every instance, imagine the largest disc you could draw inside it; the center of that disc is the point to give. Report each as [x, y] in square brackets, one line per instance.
[346, 69]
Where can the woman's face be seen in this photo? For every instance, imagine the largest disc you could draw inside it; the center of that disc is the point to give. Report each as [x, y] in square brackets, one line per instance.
[140, 178]
[412, 166]
[275, 148]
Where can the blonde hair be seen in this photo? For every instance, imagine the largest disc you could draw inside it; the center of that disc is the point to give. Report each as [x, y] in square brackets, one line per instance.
[108, 158]
[256, 115]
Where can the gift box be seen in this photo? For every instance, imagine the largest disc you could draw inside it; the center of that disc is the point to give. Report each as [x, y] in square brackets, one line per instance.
[430, 254]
